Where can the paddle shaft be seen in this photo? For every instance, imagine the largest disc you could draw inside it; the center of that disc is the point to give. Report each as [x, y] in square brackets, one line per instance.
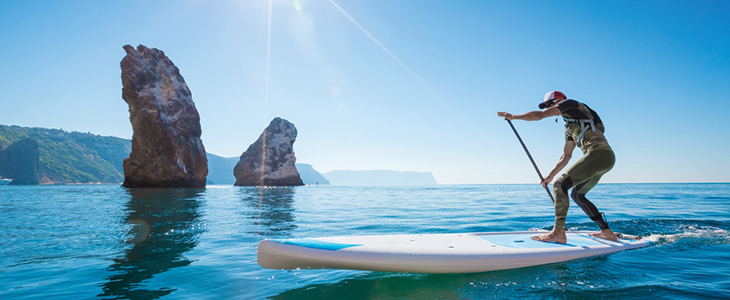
[531, 160]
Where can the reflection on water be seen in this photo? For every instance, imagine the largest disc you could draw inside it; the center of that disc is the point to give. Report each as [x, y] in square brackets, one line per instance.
[380, 286]
[163, 227]
[272, 210]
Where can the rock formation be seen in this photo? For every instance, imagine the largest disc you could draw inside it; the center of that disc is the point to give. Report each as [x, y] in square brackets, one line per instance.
[166, 147]
[270, 161]
[20, 162]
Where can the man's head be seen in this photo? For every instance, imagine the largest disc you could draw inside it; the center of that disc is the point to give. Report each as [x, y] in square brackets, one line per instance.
[551, 98]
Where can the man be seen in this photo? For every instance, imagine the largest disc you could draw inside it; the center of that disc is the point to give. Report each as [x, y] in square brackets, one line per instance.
[583, 128]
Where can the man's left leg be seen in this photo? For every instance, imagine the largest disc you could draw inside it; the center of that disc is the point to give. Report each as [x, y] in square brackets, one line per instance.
[600, 163]
[587, 206]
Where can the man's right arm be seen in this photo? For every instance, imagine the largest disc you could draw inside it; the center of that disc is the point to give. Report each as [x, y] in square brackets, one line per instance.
[535, 115]
[562, 162]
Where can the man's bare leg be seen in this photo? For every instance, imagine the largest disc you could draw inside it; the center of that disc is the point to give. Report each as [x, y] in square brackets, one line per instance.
[606, 234]
[557, 235]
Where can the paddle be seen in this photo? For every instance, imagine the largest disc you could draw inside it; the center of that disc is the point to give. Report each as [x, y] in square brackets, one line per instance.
[530, 156]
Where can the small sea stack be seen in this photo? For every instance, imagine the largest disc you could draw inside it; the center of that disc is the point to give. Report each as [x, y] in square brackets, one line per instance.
[270, 161]
[166, 147]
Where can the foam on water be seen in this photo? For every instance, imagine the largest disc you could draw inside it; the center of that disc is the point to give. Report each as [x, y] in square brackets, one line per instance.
[704, 235]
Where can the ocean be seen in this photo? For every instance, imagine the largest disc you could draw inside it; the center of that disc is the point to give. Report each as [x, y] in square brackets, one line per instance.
[109, 242]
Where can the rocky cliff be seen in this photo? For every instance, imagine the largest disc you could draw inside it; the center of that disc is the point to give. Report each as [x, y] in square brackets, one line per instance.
[19, 161]
[270, 161]
[166, 147]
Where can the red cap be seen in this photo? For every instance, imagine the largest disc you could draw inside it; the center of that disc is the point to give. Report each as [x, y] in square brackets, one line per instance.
[549, 97]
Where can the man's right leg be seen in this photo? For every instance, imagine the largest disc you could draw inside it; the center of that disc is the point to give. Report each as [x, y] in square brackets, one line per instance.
[562, 203]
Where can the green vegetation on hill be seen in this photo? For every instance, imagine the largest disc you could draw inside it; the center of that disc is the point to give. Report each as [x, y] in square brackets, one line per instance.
[73, 157]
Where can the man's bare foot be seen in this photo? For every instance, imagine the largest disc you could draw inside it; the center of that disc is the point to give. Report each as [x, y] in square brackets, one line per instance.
[557, 235]
[605, 234]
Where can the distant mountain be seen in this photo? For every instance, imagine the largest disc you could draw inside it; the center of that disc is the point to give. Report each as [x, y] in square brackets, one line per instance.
[70, 157]
[310, 176]
[380, 178]
[220, 169]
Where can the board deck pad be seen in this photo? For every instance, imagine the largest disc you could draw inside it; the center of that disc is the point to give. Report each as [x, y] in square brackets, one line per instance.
[526, 241]
[433, 253]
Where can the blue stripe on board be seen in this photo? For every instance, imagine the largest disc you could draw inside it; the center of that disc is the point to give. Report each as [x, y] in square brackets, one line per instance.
[316, 244]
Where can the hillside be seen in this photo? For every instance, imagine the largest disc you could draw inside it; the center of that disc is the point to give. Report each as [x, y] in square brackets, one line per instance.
[71, 157]
[220, 169]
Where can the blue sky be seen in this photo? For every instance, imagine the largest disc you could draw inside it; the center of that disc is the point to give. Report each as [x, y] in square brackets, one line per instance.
[415, 87]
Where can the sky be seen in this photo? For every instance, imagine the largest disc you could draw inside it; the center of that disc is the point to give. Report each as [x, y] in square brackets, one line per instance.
[395, 84]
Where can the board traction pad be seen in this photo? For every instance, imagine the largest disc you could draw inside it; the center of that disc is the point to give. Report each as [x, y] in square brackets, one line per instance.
[525, 242]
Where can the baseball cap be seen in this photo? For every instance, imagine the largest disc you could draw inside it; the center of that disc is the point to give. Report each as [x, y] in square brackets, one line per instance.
[550, 97]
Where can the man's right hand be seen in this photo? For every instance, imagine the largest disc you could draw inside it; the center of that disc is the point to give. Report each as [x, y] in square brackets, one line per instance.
[546, 181]
[505, 115]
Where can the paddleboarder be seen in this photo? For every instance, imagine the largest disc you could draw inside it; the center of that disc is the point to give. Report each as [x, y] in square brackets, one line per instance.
[584, 129]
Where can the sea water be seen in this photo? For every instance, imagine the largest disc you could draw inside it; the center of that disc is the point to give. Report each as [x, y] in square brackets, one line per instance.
[109, 242]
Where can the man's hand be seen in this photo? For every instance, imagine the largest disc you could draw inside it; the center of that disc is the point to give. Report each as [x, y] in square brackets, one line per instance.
[505, 115]
[547, 181]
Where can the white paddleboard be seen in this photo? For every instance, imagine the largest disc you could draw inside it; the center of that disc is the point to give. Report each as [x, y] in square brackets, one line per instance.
[433, 253]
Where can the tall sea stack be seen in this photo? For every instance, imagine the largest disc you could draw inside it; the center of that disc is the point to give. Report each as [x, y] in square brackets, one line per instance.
[270, 160]
[166, 147]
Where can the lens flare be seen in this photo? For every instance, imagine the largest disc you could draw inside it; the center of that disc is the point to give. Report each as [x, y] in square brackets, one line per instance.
[139, 232]
[298, 6]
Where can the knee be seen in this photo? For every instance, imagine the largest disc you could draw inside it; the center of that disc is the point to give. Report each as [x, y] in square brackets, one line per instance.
[578, 197]
[563, 184]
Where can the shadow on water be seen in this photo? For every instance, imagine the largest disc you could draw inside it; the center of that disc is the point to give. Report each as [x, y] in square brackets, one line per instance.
[162, 229]
[271, 210]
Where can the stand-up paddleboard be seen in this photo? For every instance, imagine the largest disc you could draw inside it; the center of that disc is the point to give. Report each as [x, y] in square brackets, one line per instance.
[434, 253]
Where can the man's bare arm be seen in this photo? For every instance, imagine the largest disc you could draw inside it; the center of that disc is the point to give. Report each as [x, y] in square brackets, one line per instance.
[562, 162]
[532, 115]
